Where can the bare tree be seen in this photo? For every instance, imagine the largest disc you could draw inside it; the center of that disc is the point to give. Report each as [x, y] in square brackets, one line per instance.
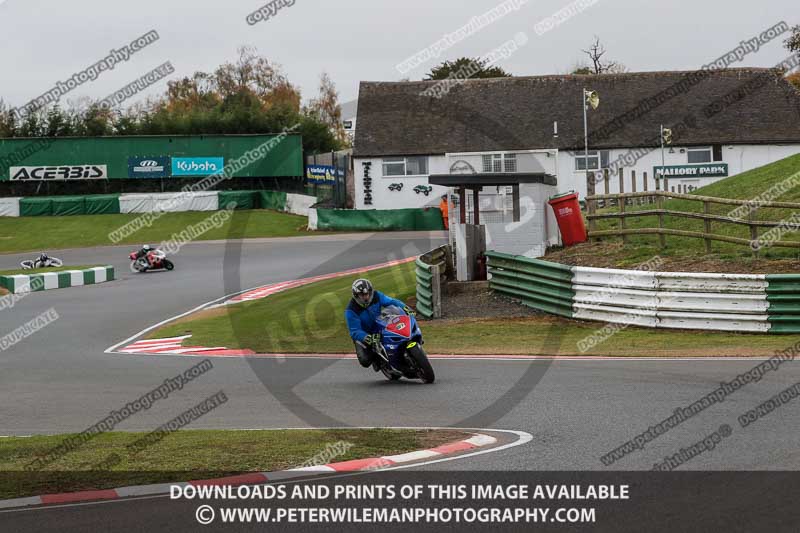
[327, 109]
[793, 42]
[599, 66]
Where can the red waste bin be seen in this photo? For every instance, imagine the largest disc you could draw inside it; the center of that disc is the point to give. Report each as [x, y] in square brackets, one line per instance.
[570, 221]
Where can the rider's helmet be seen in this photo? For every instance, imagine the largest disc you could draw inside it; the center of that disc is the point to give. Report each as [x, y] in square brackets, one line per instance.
[363, 292]
[146, 247]
[43, 257]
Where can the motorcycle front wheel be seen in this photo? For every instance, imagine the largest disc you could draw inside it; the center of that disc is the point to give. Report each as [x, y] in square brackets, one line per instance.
[389, 375]
[423, 366]
[168, 264]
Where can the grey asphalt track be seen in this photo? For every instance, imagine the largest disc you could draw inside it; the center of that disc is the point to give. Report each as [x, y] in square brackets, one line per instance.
[60, 379]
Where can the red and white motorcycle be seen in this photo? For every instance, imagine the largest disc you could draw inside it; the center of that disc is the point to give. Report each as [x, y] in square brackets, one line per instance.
[153, 260]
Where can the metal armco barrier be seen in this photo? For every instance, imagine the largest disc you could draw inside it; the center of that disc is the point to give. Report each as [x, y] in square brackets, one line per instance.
[677, 300]
[783, 295]
[539, 284]
[431, 273]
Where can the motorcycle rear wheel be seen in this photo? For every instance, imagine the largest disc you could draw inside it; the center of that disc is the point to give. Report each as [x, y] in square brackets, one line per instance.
[424, 368]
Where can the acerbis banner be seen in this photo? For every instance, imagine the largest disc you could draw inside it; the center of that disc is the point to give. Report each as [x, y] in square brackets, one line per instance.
[197, 166]
[59, 173]
[149, 167]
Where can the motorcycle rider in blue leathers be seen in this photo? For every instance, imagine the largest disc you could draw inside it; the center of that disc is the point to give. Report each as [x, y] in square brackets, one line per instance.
[362, 311]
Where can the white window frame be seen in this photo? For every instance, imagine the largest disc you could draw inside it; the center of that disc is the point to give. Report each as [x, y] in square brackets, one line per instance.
[594, 155]
[707, 149]
[404, 161]
[500, 162]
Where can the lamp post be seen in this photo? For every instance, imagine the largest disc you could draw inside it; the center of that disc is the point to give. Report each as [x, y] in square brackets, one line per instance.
[590, 98]
[666, 138]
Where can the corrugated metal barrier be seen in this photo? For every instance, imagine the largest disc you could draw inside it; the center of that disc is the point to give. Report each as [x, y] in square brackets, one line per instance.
[680, 300]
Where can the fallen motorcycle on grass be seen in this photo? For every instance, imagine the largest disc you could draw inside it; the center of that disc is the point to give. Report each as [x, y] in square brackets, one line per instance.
[43, 261]
[400, 350]
[152, 260]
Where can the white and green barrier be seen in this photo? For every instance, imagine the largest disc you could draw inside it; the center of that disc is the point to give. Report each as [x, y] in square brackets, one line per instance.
[678, 300]
[56, 280]
[104, 204]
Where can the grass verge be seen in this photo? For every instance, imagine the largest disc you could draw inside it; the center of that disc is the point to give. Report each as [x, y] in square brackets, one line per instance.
[746, 186]
[51, 233]
[190, 455]
[310, 320]
[44, 270]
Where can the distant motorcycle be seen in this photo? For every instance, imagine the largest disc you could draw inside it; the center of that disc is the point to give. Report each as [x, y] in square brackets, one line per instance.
[400, 351]
[43, 261]
[153, 260]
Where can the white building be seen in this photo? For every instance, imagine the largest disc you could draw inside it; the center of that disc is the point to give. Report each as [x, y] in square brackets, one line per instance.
[724, 123]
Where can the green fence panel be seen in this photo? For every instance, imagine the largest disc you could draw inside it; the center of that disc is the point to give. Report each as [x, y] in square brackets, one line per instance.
[380, 220]
[243, 199]
[102, 204]
[428, 219]
[35, 207]
[69, 205]
[273, 200]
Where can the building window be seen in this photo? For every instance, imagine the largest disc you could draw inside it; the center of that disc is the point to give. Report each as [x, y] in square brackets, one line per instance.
[510, 163]
[405, 166]
[500, 163]
[598, 159]
[699, 155]
[491, 162]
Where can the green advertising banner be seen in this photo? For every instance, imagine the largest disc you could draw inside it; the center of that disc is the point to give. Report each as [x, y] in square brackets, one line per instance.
[266, 156]
[706, 170]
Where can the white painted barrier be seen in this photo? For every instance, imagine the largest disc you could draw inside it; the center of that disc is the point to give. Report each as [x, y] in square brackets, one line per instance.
[607, 277]
[136, 203]
[718, 302]
[299, 204]
[698, 282]
[9, 207]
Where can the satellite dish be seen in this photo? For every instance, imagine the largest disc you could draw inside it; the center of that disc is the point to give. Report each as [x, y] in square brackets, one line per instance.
[593, 99]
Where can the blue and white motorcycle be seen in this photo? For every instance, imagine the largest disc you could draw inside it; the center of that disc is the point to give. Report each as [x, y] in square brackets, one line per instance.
[400, 350]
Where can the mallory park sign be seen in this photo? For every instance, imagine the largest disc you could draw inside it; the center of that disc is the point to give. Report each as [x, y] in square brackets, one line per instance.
[709, 170]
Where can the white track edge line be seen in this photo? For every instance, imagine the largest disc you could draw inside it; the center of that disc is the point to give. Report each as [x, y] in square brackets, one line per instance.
[523, 438]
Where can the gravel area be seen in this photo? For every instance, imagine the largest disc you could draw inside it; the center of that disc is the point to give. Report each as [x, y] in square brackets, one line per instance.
[477, 301]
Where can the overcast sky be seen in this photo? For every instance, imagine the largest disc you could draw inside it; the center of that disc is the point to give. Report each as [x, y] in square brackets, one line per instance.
[44, 41]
